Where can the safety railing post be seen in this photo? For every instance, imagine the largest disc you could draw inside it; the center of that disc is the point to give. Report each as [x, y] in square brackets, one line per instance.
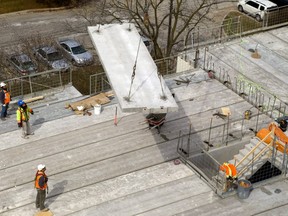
[30, 84]
[284, 163]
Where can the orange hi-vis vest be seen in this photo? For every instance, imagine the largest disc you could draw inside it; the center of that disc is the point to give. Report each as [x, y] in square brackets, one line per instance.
[229, 169]
[7, 98]
[39, 174]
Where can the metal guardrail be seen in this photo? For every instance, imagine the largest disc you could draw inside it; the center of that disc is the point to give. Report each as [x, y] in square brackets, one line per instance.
[237, 26]
[99, 82]
[36, 83]
[195, 152]
[255, 94]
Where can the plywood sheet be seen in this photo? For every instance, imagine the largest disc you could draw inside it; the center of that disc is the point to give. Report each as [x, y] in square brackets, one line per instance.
[91, 101]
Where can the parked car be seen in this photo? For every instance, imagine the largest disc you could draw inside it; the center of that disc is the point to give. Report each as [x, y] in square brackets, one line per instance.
[22, 63]
[256, 8]
[75, 52]
[51, 57]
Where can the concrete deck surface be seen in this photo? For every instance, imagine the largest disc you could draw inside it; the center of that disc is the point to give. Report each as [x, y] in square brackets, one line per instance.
[97, 168]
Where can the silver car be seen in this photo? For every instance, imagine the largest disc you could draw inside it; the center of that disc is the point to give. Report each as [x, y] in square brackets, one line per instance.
[51, 57]
[22, 63]
[75, 52]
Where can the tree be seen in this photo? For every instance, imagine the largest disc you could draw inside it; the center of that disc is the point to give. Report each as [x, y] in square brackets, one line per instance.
[168, 23]
[90, 15]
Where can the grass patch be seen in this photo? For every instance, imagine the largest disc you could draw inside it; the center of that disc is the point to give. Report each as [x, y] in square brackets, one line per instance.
[233, 20]
[8, 6]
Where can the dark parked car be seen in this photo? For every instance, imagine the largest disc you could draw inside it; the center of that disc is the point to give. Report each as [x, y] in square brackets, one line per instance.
[51, 57]
[148, 43]
[23, 64]
[75, 52]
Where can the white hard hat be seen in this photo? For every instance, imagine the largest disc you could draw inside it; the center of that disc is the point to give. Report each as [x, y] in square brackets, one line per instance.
[41, 167]
[2, 84]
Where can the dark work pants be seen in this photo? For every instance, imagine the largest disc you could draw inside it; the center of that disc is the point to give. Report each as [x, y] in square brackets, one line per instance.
[4, 110]
[40, 199]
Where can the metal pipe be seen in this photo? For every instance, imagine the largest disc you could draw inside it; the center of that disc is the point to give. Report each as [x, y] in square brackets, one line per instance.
[223, 134]
[178, 144]
[188, 143]
[257, 120]
[242, 126]
[227, 134]
[209, 135]
[273, 106]
[30, 84]
[284, 165]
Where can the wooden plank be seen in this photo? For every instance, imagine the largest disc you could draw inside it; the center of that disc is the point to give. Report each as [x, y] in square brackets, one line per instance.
[47, 213]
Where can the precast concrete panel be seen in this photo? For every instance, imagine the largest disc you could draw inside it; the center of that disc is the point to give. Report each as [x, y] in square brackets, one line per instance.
[120, 49]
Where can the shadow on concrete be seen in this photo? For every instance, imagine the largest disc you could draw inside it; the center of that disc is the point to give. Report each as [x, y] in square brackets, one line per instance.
[37, 123]
[57, 190]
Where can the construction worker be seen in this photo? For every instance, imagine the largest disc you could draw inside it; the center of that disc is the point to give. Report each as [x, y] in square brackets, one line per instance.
[23, 117]
[230, 171]
[41, 185]
[5, 99]
[283, 125]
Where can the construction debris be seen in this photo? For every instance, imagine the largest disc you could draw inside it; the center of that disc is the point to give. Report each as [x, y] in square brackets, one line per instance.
[247, 114]
[223, 113]
[82, 107]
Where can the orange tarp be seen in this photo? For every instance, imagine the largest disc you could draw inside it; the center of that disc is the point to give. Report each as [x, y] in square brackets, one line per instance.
[278, 133]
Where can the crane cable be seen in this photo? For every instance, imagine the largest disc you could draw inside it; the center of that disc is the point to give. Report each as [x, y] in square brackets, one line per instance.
[134, 70]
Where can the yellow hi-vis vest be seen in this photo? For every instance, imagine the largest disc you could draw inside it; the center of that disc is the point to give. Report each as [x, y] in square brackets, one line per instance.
[23, 115]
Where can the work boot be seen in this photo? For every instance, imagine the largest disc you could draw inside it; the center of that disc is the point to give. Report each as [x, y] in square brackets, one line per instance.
[3, 119]
[25, 137]
[45, 210]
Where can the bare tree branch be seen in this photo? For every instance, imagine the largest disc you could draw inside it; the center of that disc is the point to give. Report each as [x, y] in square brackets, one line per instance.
[167, 23]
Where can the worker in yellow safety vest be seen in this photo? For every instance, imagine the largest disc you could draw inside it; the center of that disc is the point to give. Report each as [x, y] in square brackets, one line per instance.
[230, 171]
[22, 115]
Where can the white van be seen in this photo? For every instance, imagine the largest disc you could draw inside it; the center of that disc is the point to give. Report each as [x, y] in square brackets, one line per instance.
[256, 8]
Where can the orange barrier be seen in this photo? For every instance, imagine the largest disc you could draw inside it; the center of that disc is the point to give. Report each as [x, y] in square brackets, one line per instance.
[278, 133]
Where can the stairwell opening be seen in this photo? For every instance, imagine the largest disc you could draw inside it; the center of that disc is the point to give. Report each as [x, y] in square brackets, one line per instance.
[267, 171]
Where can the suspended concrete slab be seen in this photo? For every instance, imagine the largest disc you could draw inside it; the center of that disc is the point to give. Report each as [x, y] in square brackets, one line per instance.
[120, 48]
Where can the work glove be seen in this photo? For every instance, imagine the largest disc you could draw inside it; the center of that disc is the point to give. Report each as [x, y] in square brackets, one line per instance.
[32, 112]
[19, 124]
[4, 105]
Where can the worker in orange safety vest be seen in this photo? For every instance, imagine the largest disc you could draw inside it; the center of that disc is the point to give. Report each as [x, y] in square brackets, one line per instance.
[41, 185]
[230, 171]
[5, 99]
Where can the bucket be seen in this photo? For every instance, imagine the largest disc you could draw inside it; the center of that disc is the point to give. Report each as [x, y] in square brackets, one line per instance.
[97, 109]
[244, 188]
